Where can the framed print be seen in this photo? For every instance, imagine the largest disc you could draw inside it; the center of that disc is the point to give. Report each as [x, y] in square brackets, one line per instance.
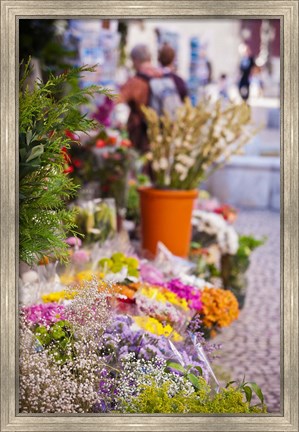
[128, 259]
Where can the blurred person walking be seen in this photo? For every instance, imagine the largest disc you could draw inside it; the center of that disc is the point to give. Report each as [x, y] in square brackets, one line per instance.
[246, 65]
[166, 59]
[136, 92]
[223, 86]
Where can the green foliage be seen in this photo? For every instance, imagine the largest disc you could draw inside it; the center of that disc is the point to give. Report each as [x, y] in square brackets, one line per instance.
[57, 339]
[154, 399]
[39, 39]
[234, 266]
[203, 269]
[45, 114]
[186, 372]
[248, 388]
[133, 208]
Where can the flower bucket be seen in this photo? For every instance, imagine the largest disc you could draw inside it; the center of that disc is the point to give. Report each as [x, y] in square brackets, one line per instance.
[166, 217]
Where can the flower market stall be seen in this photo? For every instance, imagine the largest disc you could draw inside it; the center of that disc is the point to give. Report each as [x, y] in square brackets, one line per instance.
[113, 321]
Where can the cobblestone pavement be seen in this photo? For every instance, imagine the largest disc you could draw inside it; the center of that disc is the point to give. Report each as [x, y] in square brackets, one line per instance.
[251, 345]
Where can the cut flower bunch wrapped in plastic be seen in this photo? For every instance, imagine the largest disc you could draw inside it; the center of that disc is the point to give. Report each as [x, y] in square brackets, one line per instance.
[183, 150]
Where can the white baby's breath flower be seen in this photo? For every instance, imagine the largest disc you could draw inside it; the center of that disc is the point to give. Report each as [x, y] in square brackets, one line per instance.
[159, 139]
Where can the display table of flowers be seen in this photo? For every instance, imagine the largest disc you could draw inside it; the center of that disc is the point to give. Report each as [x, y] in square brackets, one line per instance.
[104, 329]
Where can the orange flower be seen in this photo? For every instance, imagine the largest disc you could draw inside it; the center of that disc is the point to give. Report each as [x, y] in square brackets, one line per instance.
[220, 307]
[44, 260]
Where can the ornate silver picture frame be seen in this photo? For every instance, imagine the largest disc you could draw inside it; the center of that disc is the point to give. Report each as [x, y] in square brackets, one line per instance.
[287, 12]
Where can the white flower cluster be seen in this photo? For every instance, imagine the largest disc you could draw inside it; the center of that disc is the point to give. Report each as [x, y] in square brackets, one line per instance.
[194, 281]
[214, 225]
[136, 374]
[89, 312]
[31, 289]
[49, 387]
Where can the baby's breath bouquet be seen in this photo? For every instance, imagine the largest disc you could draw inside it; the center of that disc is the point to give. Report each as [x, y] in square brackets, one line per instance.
[183, 150]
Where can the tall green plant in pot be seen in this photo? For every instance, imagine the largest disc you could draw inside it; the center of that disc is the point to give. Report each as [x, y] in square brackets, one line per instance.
[183, 151]
[47, 115]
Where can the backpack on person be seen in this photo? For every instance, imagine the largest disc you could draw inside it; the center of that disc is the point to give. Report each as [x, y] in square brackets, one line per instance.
[163, 94]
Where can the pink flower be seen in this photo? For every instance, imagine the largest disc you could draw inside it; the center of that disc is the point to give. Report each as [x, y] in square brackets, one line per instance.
[80, 257]
[44, 314]
[188, 292]
[74, 241]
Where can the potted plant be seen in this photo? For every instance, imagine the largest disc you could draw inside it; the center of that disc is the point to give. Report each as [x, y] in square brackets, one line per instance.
[234, 267]
[182, 152]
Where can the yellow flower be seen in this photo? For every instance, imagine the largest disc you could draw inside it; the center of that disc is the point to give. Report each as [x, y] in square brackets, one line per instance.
[85, 275]
[67, 279]
[57, 296]
[163, 295]
[152, 325]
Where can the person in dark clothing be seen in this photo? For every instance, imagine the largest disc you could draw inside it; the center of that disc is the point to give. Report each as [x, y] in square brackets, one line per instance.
[246, 66]
[166, 58]
[135, 93]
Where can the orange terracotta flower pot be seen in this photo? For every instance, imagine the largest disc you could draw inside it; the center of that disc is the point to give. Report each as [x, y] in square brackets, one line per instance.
[166, 217]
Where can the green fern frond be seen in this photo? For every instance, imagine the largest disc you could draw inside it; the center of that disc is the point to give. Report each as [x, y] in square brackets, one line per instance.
[46, 113]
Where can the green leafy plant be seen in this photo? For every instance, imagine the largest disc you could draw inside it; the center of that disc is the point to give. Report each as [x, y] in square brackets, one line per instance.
[133, 208]
[248, 388]
[204, 269]
[57, 339]
[47, 115]
[233, 267]
[156, 399]
[186, 372]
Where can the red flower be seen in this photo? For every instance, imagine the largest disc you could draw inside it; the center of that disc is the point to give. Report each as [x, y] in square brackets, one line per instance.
[227, 212]
[71, 135]
[112, 140]
[100, 143]
[126, 143]
[77, 163]
[69, 169]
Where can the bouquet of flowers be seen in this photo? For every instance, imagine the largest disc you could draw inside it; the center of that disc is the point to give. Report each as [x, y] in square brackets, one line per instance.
[96, 219]
[183, 149]
[115, 159]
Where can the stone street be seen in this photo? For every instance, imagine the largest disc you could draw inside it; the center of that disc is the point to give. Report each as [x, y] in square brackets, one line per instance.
[251, 345]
